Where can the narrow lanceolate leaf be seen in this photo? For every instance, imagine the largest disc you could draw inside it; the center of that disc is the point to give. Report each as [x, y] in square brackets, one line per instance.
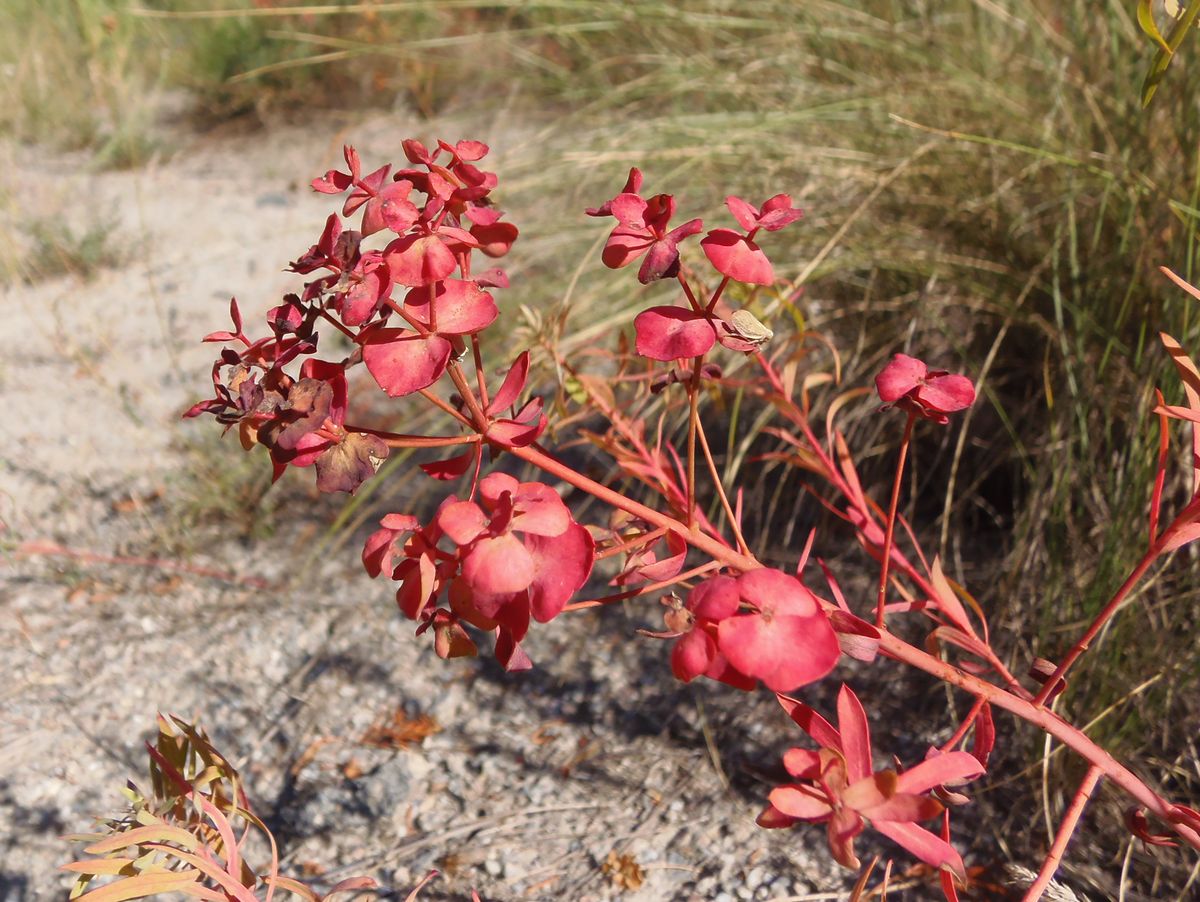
[144, 885]
[856, 736]
[293, 886]
[947, 600]
[928, 847]
[512, 386]
[1145, 17]
[812, 723]
[1190, 376]
[949, 767]
[106, 866]
[140, 835]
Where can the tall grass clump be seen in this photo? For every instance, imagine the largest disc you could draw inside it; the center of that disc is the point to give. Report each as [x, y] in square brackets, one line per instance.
[79, 74]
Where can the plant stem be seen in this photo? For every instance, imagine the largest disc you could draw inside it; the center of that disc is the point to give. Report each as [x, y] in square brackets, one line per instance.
[1066, 830]
[693, 421]
[714, 548]
[1045, 720]
[402, 440]
[444, 406]
[724, 499]
[643, 590]
[637, 541]
[891, 520]
[480, 377]
[1186, 518]
[964, 726]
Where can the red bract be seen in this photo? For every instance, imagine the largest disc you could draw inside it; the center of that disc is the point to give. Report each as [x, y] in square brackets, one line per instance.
[773, 215]
[782, 637]
[403, 362]
[910, 385]
[642, 230]
[522, 556]
[459, 308]
[669, 333]
[839, 787]
[737, 257]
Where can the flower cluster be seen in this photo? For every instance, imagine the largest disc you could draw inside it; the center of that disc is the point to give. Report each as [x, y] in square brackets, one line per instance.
[762, 625]
[689, 330]
[408, 305]
[517, 556]
[837, 785]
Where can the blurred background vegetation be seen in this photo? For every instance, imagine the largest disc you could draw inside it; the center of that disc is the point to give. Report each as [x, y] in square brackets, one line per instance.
[982, 186]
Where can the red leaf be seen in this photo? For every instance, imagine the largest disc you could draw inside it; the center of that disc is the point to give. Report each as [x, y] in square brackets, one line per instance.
[692, 655]
[510, 654]
[670, 333]
[416, 260]
[811, 722]
[715, 599]
[899, 377]
[562, 565]
[495, 239]
[403, 362]
[800, 803]
[499, 565]
[451, 467]
[948, 767]
[985, 735]
[928, 847]
[367, 290]
[856, 736]
[460, 308]
[857, 638]
[737, 257]
[513, 385]
[462, 521]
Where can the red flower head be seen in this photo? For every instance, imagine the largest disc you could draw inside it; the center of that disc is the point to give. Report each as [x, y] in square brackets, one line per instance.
[642, 230]
[762, 625]
[838, 786]
[910, 385]
[506, 578]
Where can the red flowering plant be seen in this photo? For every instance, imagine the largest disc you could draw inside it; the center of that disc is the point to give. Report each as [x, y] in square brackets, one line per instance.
[502, 553]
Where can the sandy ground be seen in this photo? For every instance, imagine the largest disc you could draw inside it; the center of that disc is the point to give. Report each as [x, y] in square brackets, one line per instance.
[533, 780]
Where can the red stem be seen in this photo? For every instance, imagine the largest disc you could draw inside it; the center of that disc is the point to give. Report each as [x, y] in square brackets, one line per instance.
[637, 541]
[693, 419]
[643, 590]
[1066, 830]
[964, 726]
[402, 440]
[1186, 517]
[721, 496]
[891, 521]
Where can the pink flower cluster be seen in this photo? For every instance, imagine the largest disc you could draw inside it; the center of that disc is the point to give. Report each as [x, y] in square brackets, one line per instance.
[762, 625]
[642, 232]
[518, 556]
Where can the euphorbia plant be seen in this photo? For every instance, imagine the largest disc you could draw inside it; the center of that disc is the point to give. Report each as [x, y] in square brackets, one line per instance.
[500, 554]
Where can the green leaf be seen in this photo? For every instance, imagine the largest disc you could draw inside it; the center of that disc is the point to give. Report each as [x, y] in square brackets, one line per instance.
[1166, 53]
[1145, 17]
